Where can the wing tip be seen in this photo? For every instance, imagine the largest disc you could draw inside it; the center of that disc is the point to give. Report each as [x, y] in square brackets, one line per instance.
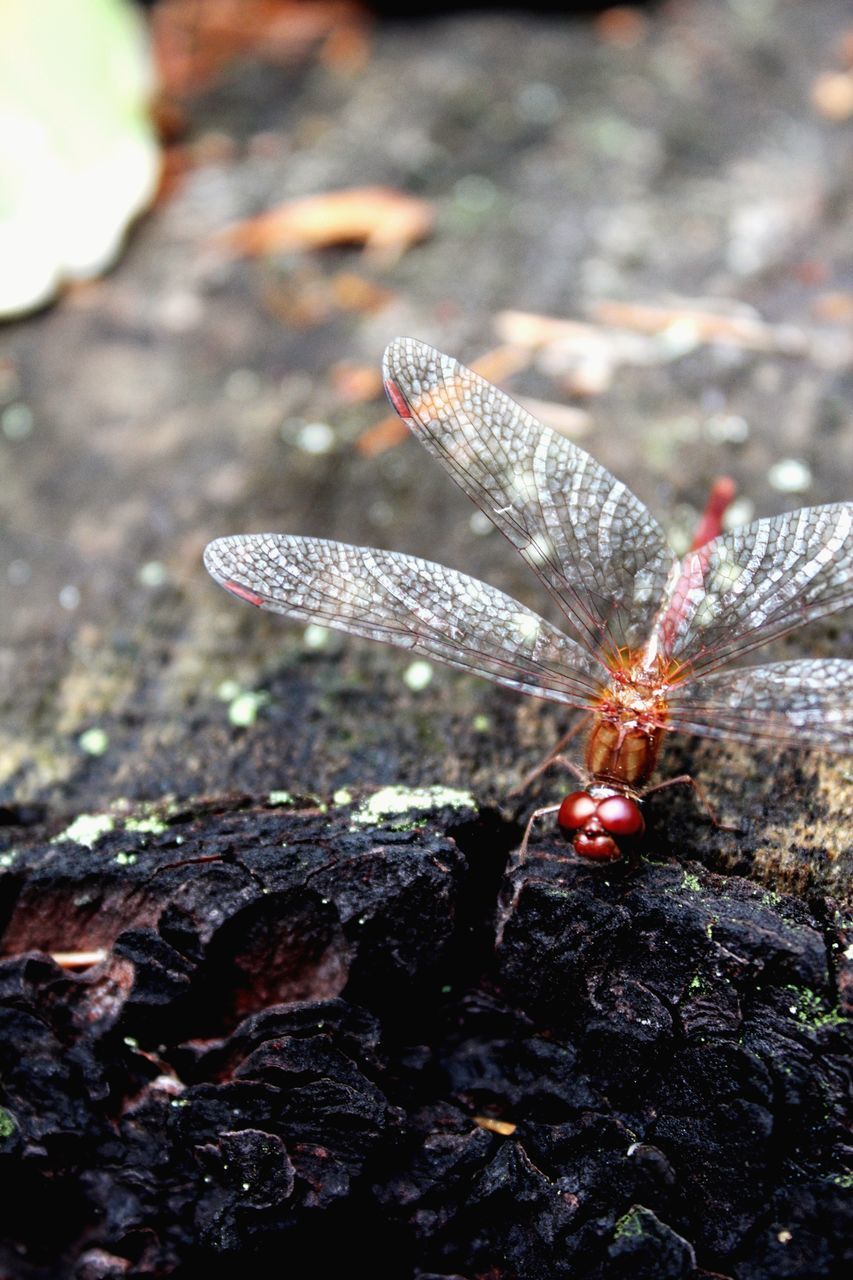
[219, 563]
[409, 367]
[391, 357]
[210, 555]
[397, 374]
[219, 558]
[397, 357]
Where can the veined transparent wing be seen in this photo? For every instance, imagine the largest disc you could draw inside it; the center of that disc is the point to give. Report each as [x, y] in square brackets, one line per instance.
[424, 607]
[593, 544]
[756, 583]
[808, 702]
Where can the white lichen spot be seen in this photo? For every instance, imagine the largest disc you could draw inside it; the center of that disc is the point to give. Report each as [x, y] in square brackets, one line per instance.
[396, 802]
[88, 829]
[727, 428]
[678, 338]
[146, 826]
[69, 597]
[480, 524]
[739, 511]
[243, 711]
[125, 859]
[16, 421]
[342, 796]
[315, 637]
[151, 574]
[418, 675]
[228, 690]
[279, 798]
[481, 723]
[789, 475]
[316, 438]
[380, 514]
[94, 742]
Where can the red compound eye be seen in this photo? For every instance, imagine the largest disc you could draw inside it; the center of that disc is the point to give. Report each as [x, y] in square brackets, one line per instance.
[621, 816]
[576, 810]
[601, 847]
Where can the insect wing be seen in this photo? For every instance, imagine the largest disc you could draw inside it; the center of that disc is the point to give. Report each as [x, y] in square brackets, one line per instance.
[808, 702]
[593, 544]
[420, 606]
[756, 583]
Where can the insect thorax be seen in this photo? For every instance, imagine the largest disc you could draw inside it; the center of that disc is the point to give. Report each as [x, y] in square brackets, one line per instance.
[624, 740]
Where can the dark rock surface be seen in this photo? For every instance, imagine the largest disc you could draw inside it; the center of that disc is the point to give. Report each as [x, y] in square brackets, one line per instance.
[312, 1030]
[302, 1036]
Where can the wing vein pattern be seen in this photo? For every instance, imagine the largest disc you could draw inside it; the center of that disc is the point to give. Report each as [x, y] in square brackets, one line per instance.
[756, 583]
[807, 701]
[413, 603]
[591, 542]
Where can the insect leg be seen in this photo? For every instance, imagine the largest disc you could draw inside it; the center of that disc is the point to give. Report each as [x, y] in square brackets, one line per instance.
[687, 780]
[574, 769]
[534, 817]
[554, 754]
[517, 861]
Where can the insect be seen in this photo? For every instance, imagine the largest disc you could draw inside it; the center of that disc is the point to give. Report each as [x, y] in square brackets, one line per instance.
[649, 642]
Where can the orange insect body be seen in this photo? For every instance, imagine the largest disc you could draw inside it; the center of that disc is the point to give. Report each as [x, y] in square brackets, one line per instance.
[621, 754]
[684, 621]
[623, 744]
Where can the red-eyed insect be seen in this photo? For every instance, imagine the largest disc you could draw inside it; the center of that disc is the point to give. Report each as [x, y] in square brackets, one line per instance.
[652, 639]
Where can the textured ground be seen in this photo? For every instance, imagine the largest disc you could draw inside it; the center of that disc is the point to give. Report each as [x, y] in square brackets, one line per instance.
[169, 403]
[311, 1037]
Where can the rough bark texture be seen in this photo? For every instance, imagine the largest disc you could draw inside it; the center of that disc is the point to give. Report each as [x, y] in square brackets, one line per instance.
[307, 1030]
[314, 1023]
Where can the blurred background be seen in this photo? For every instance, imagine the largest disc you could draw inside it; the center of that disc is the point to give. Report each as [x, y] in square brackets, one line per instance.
[214, 215]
